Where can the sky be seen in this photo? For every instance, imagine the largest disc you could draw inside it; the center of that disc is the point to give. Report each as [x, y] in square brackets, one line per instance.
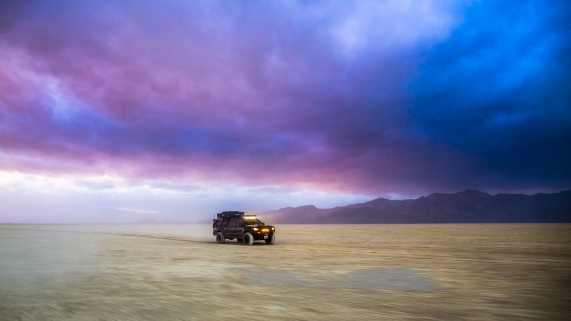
[116, 111]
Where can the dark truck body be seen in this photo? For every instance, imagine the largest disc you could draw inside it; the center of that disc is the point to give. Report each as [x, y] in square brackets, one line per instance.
[244, 228]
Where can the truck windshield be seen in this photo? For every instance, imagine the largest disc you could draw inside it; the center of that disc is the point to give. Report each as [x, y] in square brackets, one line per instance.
[253, 221]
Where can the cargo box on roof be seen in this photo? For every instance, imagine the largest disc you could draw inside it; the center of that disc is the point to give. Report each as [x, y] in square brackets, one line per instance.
[229, 214]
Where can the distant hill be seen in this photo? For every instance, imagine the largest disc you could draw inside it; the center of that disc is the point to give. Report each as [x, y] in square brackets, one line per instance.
[468, 206]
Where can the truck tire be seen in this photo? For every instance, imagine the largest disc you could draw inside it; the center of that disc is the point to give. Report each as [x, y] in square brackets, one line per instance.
[248, 238]
[271, 240]
[240, 240]
[220, 238]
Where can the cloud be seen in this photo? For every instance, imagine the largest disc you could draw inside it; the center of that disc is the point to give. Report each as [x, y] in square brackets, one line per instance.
[32, 198]
[134, 210]
[363, 97]
[494, 91]
[389, 24]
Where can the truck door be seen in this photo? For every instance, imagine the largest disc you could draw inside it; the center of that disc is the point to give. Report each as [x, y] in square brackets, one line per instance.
[240, 228]
[232, 227]
[223, 225]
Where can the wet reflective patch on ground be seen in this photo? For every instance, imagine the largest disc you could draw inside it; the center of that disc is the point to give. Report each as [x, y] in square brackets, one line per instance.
[402, 279]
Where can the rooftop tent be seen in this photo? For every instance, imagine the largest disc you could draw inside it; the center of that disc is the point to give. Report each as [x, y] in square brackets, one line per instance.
[230, 214]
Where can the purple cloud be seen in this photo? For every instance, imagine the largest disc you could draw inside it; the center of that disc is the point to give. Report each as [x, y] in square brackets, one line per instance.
[365, 97]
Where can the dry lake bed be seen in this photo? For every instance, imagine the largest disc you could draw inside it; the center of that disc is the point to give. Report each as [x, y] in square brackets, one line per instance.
[313, 272]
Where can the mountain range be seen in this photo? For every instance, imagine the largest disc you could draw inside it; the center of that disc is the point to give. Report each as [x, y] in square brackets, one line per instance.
[469, 206]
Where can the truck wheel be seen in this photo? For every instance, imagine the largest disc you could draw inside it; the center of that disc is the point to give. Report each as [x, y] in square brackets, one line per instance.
[240, 240]
[220, 238]
[248, 238]
[271, 240]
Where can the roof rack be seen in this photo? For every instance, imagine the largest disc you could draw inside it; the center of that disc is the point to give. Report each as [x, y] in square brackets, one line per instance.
[229, 214]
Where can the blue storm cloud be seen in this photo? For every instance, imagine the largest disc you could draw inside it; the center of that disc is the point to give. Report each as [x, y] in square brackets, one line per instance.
[498, 90]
